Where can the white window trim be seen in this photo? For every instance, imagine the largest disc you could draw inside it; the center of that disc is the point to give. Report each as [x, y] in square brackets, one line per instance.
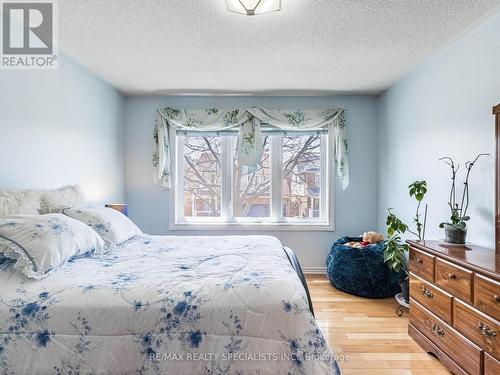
[176, 222]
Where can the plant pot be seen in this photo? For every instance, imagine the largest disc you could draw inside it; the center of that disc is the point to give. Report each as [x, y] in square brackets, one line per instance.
[405, 289]
[454, 235]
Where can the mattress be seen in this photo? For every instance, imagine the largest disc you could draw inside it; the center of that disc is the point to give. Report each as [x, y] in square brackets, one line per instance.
[164, 304]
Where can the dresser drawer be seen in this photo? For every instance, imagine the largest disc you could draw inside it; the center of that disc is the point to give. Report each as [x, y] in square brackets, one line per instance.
[422, 264]
[436, 300]
[491, 365]
[457, 347]
[478, 327]
[454, 279]
[487, 295]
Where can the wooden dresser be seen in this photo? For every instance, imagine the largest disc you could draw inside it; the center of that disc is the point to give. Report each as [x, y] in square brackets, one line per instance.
[455, 305]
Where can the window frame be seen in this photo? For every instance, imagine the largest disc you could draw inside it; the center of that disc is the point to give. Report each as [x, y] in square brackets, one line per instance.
[276, 221]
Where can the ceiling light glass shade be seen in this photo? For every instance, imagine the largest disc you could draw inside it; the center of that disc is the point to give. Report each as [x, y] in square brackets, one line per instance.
[253, 7]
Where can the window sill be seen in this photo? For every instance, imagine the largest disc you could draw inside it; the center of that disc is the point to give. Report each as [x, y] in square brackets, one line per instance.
[253, 226]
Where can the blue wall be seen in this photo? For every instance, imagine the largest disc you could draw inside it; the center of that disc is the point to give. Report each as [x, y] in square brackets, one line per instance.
[59, 127]
[442, 108]
[356, 208]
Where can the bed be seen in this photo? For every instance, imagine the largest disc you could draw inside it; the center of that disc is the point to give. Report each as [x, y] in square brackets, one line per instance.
[167, 305]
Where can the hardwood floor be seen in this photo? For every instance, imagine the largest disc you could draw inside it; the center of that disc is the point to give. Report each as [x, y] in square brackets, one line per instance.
[372, 338]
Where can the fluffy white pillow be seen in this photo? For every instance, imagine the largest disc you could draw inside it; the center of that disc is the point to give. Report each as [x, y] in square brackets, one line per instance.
[112, 225]
[55, 200]
[42, 243]
[33, 202]
[19, 202]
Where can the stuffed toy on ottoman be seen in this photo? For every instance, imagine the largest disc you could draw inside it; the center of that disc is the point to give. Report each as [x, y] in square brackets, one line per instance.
[357, 267]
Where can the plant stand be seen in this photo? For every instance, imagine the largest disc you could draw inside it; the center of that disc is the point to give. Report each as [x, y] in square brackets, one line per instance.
[401, 304]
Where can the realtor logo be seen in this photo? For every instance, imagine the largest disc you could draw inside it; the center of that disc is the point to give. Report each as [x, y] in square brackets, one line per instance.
[28, 35]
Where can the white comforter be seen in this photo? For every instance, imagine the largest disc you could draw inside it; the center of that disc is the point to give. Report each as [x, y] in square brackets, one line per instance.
[168, 305]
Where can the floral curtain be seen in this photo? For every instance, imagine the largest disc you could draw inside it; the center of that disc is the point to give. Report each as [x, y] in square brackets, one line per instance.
[248, 121]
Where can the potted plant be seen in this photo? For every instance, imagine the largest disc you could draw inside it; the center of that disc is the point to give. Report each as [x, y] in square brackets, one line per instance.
[456, 229]
[395, 249]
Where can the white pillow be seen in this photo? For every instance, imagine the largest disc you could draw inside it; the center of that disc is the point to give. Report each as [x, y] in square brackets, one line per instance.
[113, 226]
[55, 200]
[42, 243]
[33, 202]
[19, 202]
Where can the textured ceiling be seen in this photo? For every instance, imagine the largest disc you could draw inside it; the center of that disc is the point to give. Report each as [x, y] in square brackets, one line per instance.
[309, 47]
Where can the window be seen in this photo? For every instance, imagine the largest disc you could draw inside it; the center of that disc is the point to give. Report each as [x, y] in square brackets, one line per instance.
[202, 176]
[301, 176]
[252, 186]
[288, 188]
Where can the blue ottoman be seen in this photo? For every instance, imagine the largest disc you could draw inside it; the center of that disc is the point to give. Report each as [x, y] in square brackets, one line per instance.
[361, 272]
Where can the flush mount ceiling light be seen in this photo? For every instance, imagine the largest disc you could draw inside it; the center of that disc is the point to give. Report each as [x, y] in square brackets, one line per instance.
[253, 7]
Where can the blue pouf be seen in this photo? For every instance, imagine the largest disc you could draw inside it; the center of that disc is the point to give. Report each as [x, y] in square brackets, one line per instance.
[361, 272]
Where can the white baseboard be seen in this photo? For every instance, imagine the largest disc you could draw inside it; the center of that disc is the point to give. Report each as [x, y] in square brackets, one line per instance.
[314, 270]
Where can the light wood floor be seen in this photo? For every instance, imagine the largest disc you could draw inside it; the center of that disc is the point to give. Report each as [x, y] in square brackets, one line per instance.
[369, 332]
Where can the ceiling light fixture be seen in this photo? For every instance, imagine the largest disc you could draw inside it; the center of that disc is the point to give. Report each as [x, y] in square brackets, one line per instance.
[253, 7]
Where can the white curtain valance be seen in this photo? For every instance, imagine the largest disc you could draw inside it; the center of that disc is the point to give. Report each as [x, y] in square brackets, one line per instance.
[248, 121]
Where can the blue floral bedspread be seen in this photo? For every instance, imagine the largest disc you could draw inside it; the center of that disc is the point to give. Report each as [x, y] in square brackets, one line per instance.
[164, 305]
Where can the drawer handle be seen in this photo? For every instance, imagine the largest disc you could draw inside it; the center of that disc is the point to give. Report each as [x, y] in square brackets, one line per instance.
[452, 276]
[428, 293]
[437, 330]
[485, 330]
[440, 331]
[496, 298]
[420, 261]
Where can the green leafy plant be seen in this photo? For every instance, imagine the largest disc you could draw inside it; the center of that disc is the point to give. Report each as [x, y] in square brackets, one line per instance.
[394, 224]
[459, 218]
[418, 190]
[395, 249]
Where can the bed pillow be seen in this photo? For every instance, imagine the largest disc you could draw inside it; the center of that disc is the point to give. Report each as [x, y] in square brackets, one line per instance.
[36, 201]
[19, 202]
[42, 243]
[113, 226]
[52, 201]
